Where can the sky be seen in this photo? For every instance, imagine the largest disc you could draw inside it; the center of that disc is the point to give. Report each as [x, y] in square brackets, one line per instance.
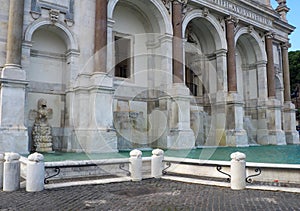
[293, 17]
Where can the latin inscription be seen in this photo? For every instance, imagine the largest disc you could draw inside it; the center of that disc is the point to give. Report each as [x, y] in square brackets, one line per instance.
[242, 11]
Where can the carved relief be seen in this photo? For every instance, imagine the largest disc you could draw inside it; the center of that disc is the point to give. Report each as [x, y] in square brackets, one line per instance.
[54, 10]
[250, 29]
[41, 130]
[205, 12]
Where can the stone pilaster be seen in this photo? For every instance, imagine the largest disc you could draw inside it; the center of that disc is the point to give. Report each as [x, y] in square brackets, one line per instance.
[289, 115]
[13, 133]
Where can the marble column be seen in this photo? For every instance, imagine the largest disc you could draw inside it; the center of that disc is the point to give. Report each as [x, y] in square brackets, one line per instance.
[235, 133]
[276, 135]
[231, 63]
[100, 36]
[289, 111]
[286, 71]
[177, 42]
[181, 136]
[270, 65]
[12, 130]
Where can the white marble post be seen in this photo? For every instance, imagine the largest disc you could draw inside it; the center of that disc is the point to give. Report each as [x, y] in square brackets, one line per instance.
[157, 163]
[1, 169]
[238, 171]
[135, 165]
[11, 170]
[35, 173]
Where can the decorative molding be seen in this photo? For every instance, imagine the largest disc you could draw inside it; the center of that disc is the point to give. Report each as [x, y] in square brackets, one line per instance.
[232, 19]
[269, 34]
[54, 15]
[54, 10]
[205, 12]
[250, 29]
[286, 45]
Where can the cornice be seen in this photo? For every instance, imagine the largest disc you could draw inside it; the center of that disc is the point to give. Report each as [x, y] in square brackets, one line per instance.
[263, 17]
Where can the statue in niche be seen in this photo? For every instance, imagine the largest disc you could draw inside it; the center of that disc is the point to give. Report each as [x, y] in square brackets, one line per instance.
[41, 130]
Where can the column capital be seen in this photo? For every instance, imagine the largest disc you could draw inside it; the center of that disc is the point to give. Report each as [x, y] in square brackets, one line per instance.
[231, 19]
[183, 2]
[286, 45]
[270, 34]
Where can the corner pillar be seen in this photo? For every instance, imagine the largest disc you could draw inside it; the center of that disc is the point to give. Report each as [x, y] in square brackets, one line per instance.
[13, 132]
[289, 111]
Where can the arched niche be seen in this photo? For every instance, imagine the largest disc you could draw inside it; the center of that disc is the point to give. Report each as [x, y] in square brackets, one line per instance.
[50, 53]
[204, 53]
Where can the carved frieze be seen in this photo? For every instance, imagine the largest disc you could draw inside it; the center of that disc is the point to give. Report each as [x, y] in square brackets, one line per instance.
[54, 10]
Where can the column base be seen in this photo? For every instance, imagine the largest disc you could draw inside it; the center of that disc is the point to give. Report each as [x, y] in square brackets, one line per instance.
[289, 123]
[181, 139]
[292, 137]
[96, 141]
[236, 138]
[14, 140]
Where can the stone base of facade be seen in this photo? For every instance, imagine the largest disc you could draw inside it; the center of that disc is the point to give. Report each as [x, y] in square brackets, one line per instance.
[277, 137]
[292, 137]
[14, 140]
[289, 123]
[184, 139]
[96, 141]
[236, 138]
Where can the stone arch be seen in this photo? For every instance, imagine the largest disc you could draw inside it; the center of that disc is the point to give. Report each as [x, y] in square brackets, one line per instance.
[259, 47]
[166, 26]
[63, 31]
[218, 35]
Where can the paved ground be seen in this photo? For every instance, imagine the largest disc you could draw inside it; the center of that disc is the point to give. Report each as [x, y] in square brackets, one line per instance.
[151, 194]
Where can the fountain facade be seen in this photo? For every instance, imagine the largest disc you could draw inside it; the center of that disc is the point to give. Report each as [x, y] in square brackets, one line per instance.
[143, 74]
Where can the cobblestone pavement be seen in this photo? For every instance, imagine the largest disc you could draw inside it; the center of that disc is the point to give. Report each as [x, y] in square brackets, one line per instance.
[151, 194]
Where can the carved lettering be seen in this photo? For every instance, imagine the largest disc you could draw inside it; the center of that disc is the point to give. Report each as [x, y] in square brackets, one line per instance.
[242, 11]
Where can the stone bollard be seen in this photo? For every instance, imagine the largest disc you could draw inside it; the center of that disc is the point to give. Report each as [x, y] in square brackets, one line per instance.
[135, 165]
[238, 171]
[11, 172]
[1, 169]
[157, 163]
[35, 173]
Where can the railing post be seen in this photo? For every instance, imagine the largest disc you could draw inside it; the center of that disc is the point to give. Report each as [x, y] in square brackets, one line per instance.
[135, 165]
[238, 171]
[11, 176]
[35, 173]
[157, 163]
[1, 169]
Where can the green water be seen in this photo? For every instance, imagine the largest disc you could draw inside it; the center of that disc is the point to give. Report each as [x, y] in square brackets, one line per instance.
[289, 154]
